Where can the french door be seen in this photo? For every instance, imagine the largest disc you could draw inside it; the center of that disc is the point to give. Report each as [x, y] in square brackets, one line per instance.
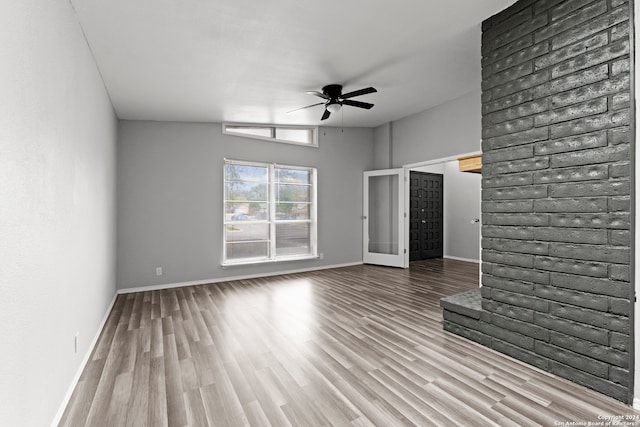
[383, 218]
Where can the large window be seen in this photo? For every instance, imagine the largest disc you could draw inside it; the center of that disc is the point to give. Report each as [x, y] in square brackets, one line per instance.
[302, 135]
[269, 212]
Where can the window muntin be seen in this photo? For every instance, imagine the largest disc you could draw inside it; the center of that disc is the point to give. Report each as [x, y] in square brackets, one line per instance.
[269, 212]
[301, 135]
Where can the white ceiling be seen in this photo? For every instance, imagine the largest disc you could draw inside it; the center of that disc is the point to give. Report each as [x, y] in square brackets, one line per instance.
[253, 60]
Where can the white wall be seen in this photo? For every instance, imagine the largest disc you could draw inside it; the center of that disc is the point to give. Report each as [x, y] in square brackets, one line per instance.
[170, 193]
[57, 206]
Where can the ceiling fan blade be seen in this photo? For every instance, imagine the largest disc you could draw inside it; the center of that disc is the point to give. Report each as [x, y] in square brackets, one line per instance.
[326, 115]
[320, 94]
[358, 92]
[357, 104]
[308, 106]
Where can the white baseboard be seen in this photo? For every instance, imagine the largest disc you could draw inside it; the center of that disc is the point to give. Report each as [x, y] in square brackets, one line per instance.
[83, 364]
[230, 278]
[462, 259]
[636, 403]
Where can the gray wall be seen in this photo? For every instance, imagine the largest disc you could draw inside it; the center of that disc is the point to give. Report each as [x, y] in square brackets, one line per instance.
[449, 129]
[382, 146]
[57, 207]
[462, 204]
[170, 198]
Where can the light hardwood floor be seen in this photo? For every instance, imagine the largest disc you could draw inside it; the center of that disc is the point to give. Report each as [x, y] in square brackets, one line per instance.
[354, 346]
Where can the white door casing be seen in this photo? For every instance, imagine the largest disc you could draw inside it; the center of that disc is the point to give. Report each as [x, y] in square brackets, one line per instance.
[384, 218]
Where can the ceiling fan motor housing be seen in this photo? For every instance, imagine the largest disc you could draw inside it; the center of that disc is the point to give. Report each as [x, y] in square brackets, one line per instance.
[333, 91]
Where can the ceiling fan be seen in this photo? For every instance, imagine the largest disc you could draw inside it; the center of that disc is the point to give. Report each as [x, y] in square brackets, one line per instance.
[334, 99]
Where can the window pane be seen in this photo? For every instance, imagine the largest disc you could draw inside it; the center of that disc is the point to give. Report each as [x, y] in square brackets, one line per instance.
[293, 239]
[287, 211]
[249, 191]
[235, 172]
[247, 182]
[250, 130]
[296, 135]
[293, 176]
[246, 211]
[383, 238]
[293, 193]
[238, 251]
[244, 232]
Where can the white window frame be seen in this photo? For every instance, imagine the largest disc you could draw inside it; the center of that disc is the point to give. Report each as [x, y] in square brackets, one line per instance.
[273, 128]
[272, 221]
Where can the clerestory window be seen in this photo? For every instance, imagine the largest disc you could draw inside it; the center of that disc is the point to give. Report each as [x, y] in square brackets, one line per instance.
[302, 135]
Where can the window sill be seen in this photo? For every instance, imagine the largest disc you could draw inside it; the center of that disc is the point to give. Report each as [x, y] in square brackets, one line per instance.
[268, 261]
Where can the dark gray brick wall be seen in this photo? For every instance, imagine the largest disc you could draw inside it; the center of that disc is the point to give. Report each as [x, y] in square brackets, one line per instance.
[556, 190]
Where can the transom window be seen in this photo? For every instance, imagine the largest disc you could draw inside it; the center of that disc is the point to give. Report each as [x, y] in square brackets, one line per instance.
[302, 135]
[269, 212]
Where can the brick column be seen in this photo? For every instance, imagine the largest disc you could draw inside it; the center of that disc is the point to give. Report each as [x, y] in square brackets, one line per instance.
[556, 189]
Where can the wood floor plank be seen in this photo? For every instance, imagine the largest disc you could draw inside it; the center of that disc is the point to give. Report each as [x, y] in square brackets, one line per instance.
[352, 346]
[156, 344]
[372, 411]
[267, 399]
[196, 414]
[182, 342]
[472, 398]
[256, 416]
[177, 415]
[105, 388]
[120, 398]
[158, 410]
[411, 403]
[145, 311]
[138, 405]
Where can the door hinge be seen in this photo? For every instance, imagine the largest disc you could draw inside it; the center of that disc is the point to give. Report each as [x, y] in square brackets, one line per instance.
[405, 251]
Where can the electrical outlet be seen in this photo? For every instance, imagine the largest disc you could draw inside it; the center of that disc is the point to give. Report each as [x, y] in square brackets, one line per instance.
[158, 271]
[321, 255]
[75, 342]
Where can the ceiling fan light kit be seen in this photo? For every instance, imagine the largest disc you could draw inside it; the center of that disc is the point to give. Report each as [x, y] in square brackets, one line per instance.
[333, 108]
[335, 99]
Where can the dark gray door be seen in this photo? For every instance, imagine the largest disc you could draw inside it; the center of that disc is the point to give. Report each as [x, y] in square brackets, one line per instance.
[425, 216]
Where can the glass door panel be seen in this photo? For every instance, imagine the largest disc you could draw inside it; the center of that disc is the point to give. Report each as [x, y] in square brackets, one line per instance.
[383, 209]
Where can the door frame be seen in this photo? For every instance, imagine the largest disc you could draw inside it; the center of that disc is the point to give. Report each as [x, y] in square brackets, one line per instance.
[404, 214]
[409, 167]
[401, 259]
